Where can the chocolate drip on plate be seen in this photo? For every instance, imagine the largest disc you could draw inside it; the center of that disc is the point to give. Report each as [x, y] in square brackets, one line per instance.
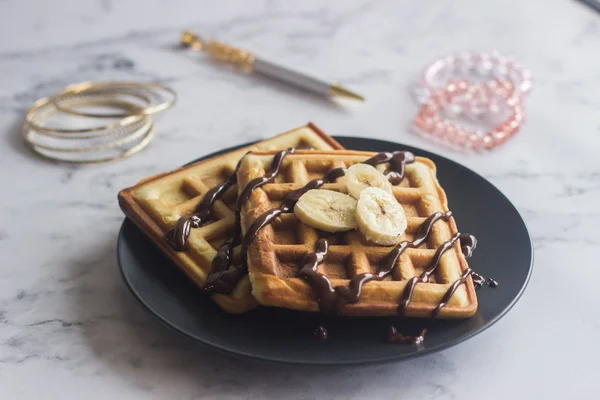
[320, 333]
[396, 337]
[491, 282]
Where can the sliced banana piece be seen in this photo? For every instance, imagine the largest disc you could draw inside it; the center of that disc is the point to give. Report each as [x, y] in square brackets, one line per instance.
[327, 210]
[361, 176]
[380, 217]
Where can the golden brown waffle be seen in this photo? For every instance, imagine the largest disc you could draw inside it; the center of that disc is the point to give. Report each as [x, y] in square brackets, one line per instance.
[156, 203]
[276, 254]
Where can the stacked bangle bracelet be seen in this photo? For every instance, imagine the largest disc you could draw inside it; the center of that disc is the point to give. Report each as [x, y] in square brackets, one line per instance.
[105, 136]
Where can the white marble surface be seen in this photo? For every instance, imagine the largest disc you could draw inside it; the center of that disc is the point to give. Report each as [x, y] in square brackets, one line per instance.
[70, 329]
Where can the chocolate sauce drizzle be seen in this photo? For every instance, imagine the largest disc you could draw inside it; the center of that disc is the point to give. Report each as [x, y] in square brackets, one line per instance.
[178, 236]
[225, 278]
[468, 245]
[396, 337]
[467, 249]
[222, 276]
[320, 333]
[397, 160]
[351, 294]
[478, 281]
[318, 281]
[331, 299]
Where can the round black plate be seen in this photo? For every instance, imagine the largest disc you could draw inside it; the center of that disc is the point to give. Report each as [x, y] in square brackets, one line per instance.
[286, 336]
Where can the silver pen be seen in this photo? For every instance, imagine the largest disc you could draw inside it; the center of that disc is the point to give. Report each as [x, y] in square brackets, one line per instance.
[248, 62]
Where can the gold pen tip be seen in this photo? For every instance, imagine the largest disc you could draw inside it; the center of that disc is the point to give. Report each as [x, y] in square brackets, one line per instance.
[340, 91]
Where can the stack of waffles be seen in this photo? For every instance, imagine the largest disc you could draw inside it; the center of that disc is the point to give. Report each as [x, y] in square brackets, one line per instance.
[265, 266]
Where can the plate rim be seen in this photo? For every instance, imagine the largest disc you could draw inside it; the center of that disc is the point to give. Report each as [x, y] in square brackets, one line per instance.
[363, 361]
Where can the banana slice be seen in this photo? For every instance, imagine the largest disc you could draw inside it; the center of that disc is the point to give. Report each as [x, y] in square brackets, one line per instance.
[361, 176]
[380, 217]
[327, 210]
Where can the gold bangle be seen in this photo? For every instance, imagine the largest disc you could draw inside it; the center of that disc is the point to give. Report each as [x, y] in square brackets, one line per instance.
[131, 133]
[27, 134]
[126, 87]
[107, 94]
[44, 106]
[145, 140]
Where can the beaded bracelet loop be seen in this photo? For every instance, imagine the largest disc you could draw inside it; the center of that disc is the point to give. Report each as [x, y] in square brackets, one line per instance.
[475, 102]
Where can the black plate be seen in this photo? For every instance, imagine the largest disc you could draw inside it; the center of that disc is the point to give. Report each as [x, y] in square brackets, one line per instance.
[286, 336]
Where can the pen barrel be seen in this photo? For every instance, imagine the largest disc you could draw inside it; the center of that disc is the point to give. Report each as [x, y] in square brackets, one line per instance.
[286, 75]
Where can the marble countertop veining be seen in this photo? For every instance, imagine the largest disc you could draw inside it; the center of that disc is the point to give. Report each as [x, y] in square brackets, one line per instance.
[70, 329]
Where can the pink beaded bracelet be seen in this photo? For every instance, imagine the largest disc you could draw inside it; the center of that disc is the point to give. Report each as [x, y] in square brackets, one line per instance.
[480, 103]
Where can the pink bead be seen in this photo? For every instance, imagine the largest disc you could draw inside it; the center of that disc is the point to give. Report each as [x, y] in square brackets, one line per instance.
[423, 122]
[514, 124]
[499, 135]
[431, 108]
[440, 128]
[474, 141]
[462, 84]
[461, 136]
[488, 141]
[451, 133]
[518, 115]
